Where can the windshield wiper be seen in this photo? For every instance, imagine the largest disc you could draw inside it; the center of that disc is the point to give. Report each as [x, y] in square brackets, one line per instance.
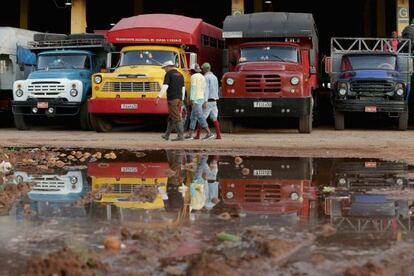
[279, 58]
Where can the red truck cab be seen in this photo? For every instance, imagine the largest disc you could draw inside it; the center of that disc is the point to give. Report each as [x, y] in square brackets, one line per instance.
[272, 66]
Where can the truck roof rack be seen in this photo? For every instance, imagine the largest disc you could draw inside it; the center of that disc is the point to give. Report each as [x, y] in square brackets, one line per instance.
[345, 45]
[67, 44]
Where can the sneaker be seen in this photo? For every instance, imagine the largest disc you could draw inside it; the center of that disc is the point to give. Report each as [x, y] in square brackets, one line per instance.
[188, 137]
[178, 139]
[165, 137]
[209, 136]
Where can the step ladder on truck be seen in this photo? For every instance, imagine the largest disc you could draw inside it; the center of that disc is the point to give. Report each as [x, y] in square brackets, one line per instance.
[370, 75]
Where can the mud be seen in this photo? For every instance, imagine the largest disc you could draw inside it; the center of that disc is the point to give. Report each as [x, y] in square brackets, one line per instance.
[186, 212]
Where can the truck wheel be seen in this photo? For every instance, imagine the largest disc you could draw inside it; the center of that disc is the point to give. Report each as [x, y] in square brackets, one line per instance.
[339, 120]
[84, 117]
[227, 125]
[20, 122]
[100, 124]
[403, 121]
[305, 123]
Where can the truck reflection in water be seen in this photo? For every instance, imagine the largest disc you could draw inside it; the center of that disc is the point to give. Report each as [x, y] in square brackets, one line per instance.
[53, 194]
[262, 187]
[137, 191]
[370, 197]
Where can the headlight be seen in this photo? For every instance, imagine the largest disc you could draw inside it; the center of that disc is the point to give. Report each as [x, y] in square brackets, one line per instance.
[229, 195]
[73, 92]
[342, 91]
[19, 179]
[294, 80]
[97, 79]
[342, 181]
[400, 92]
[230, 81]
[73, 180]
[294, 196]
[19, 92]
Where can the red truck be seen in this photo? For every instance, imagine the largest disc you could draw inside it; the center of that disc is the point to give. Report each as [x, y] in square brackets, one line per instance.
[272, 68]
[270, 187]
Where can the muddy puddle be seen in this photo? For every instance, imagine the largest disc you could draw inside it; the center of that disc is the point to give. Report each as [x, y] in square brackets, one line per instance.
[89, 212]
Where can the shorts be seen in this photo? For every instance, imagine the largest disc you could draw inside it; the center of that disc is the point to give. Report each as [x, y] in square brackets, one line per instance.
[211, 111]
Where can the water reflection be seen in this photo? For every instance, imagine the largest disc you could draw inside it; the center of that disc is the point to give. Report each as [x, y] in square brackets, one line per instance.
[177, 187]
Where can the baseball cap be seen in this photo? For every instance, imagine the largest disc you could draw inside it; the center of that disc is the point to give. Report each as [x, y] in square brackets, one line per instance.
[206, 66]
[195, 67]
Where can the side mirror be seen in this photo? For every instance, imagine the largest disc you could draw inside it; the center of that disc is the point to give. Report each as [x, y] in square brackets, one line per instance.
[410, 65]
[112, 60]
[328, 65]
[193, 59]
[312, 70]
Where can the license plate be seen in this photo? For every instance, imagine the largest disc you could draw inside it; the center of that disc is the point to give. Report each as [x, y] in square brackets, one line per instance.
[370, 165]
[262, 104]
[371, 109]
[262, 172]
[129, 169]
[42, 105]
[129, 106]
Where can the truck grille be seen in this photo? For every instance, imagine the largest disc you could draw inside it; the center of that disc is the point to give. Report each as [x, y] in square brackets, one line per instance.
[48, 185]
[46, 88]
[131, 87]
[261, 193]
[372, 86]
[262, 83]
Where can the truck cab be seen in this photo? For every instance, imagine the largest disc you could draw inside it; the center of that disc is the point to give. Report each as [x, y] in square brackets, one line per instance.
[60, 86]
[368, 78]
[272, 70]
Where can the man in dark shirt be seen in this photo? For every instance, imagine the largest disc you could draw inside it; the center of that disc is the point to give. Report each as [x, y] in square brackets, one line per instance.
[174, 86]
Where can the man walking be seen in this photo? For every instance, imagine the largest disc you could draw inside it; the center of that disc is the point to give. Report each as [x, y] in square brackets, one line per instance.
[174, 86]
[197, 94]
[211, 96]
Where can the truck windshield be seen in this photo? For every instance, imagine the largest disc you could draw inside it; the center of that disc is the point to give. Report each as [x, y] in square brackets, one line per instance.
[368, 62]
[148, 57]
[62, 62]
[265, 53]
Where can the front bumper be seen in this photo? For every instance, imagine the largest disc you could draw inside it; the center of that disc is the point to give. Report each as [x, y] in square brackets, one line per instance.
[351, 105]
[264, 107]
[61, 108]
[128, 106]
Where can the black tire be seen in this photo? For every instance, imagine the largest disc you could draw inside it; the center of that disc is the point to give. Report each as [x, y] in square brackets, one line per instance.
[306, 122]
[20, 122]
[339, 120]
[100, 124]
[49, 37]
[84, 117]
[403, 121]
[227, 125]
[86, 36]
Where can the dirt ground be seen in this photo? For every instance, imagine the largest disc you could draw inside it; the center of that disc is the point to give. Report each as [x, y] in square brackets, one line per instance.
[385, 144]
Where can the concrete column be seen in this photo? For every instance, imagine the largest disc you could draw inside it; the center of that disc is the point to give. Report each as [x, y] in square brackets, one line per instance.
[403, 16]
[381, 18]
[78, 17]
[258, 5]
[367, 18]
[24, 14]
[237, 7]
[138, 7]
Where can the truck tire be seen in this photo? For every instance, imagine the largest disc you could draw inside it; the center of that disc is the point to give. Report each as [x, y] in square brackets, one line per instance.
[100, 124]
[339, 120]
[49, 37]
[403, 121]
[227, 125]
[306, 121]
[84, 117]
[20, 122]
[82, 36]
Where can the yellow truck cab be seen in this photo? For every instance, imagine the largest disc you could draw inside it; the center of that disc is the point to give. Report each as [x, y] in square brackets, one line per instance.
[128, 93]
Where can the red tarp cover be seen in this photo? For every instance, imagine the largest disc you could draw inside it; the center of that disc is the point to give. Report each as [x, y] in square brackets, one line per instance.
[157, 29]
